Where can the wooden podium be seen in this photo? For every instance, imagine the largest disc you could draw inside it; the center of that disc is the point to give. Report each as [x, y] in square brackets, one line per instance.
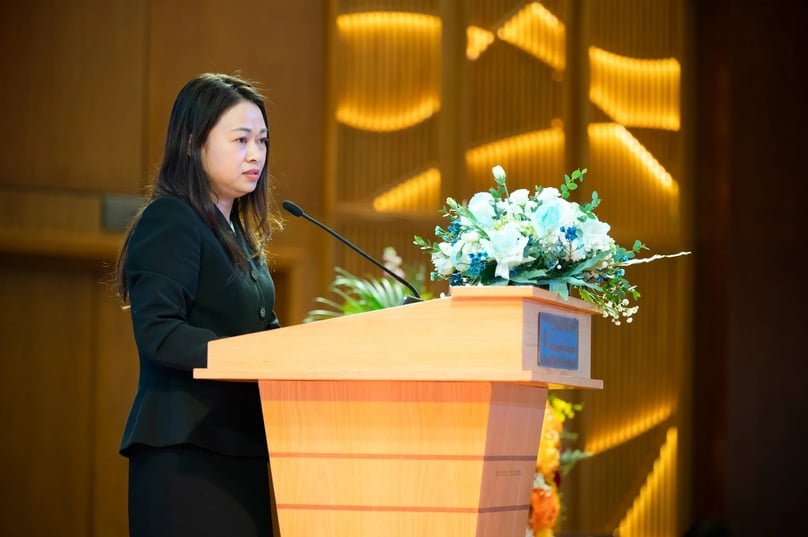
[421, 420]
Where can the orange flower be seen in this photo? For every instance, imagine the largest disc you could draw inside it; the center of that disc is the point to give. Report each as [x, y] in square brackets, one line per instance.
[545, 502]
[544, 506]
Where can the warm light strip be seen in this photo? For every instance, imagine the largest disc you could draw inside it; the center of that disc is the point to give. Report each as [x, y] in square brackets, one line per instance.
[520, 145]
[538, 32]
[656, 504]
[636, 92]
[604, 133]
[388, 75]
[392, 119]
[620, 434]
[477, 40]
[421, 192]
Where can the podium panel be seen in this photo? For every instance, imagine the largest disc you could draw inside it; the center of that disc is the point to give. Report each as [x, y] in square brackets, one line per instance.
[356, 458]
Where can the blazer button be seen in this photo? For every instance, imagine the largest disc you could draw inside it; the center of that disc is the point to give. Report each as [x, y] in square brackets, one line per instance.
[262, 312]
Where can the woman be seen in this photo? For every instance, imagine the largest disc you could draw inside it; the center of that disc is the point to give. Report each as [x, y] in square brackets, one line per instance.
[192, 270]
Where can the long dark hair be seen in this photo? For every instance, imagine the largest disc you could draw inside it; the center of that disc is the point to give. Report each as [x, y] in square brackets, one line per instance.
[196, 110]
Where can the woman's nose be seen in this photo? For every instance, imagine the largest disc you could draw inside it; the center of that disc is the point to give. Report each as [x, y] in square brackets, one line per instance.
[255, 152]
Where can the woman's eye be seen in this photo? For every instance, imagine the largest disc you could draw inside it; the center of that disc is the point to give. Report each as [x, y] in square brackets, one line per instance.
[264, 141]
[242, 140]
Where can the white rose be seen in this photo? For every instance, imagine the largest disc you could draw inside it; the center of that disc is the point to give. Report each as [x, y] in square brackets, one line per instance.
[549, 193]
[442, 260]
[507, 246]
[481, 206]
[551, 216]
[595, 236]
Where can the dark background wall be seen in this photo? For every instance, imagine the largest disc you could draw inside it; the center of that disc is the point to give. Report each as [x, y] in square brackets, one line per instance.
[749, 386]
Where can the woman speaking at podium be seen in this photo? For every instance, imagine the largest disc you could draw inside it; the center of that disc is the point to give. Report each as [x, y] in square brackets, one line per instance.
[192, 269]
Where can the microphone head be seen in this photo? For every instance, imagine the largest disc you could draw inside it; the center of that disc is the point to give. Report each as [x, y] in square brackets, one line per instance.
[293, 208]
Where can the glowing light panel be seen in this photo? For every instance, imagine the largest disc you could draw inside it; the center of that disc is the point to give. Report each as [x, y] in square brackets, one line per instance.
[647, 511]
[421, 192]
[477, 40]
[636, 92]
[389, 70]
[620, 434]
[526, 145]
[538, 32]
[606, 134]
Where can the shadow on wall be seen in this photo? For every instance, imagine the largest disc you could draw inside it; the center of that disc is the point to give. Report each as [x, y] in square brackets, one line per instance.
[708, 528]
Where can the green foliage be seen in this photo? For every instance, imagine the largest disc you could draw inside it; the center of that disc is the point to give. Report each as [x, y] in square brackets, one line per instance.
[567, 410]
[361, 294]
[569, 182]
[358, 295]
[570, 457]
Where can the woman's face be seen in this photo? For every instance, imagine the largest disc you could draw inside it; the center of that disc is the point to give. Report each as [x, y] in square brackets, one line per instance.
[235, 153]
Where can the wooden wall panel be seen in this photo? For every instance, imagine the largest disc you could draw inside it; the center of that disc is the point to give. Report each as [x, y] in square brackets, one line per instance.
[88, 86]
[33, 211]
[386, 81]
[114, 382]
[73, 88]
[65, 226]
[636, 426]
[46, 344]
[278, 44]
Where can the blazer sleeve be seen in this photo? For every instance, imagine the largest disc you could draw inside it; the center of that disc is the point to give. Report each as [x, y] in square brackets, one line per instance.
[162, 270]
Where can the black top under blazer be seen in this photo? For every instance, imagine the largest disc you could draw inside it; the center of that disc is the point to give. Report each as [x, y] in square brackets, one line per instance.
[184, 293]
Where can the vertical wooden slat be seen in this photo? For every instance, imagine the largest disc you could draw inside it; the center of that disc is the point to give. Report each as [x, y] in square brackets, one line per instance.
[77, 115]
[46, 348]
[114, 381]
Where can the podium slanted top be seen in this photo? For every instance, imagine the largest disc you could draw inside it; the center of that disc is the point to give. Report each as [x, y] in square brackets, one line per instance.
[481, 333]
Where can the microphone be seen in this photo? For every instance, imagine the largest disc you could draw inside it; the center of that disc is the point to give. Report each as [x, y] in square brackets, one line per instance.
[296, 210]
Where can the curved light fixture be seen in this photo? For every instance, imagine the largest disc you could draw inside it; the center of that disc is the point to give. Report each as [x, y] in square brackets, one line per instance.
[388, 76]
[419, 193]
[636, 92]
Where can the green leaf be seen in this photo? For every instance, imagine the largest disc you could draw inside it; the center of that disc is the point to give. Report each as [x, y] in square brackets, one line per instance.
[559, 287]
[358, 295]
[569, 458]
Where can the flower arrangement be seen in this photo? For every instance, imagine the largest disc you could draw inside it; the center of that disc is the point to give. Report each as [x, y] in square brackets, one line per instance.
[552, 463]
[540, 239]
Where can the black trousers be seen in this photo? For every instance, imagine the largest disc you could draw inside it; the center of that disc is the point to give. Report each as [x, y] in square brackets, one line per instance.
[184, 491]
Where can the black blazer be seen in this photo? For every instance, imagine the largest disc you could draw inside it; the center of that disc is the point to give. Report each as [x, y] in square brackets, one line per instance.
[183, 294]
